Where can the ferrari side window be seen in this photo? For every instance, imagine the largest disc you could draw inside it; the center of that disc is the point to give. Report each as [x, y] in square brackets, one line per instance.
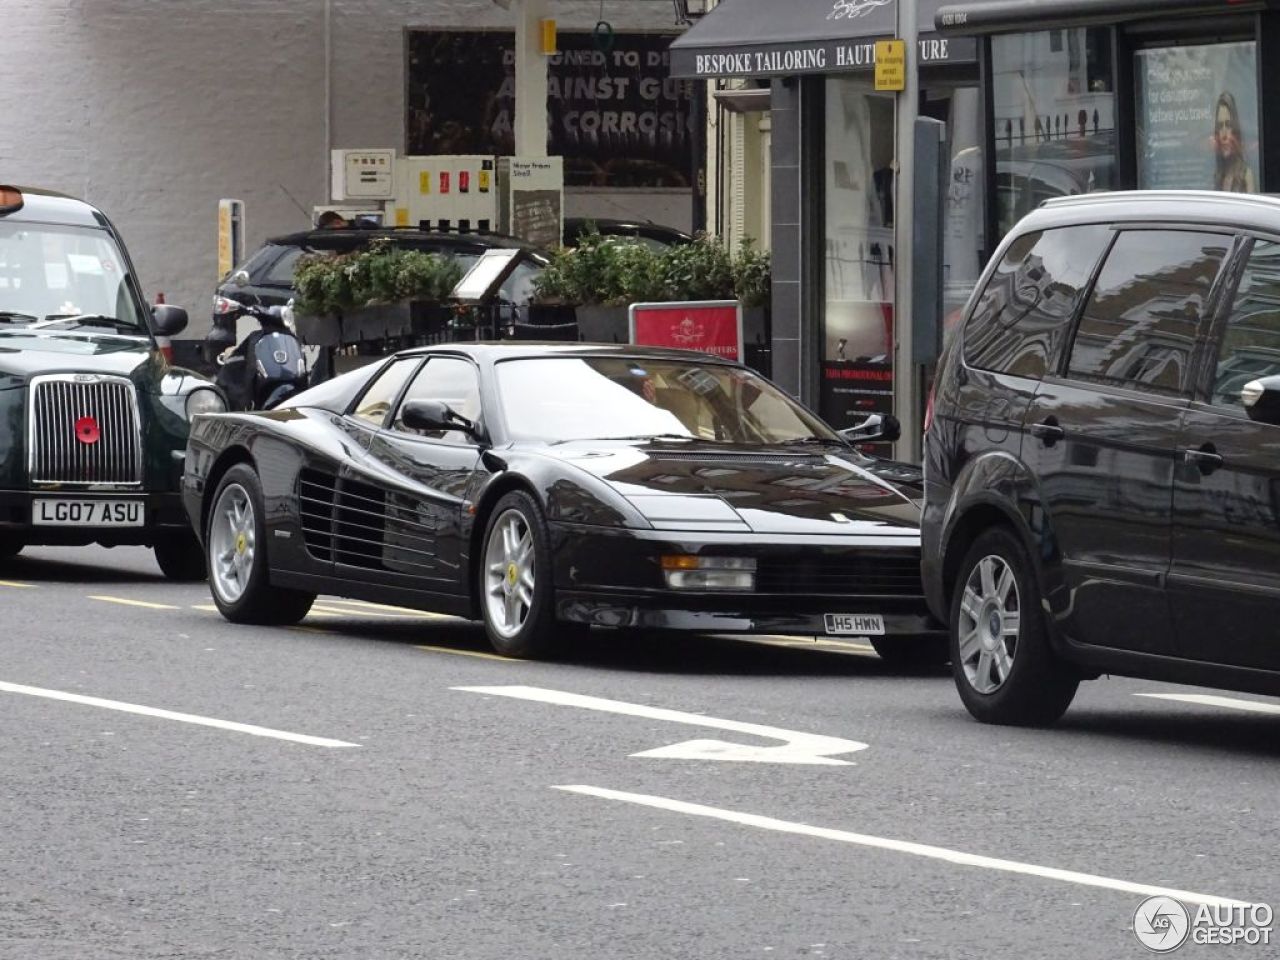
[450, 380]
[372, 408]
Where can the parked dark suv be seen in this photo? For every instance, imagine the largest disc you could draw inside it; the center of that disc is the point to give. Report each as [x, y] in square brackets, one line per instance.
[1102, 470]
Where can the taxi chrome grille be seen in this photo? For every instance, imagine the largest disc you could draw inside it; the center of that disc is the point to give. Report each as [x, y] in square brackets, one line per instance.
[887, 574]
[110, 449]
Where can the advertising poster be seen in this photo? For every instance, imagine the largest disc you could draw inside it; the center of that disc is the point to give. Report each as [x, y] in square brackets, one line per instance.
[616, 116]
[1198, 117]
[709, 327]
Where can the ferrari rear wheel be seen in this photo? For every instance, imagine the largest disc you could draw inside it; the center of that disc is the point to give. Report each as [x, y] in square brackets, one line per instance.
[516, 599]
[235, 545]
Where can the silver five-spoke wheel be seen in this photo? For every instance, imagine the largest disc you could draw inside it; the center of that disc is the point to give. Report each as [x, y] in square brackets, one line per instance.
[509, 562]
[232, 543]
[990, 613]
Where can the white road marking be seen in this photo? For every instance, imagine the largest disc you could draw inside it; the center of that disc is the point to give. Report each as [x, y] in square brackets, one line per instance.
[171, 715]
[467, 653]
[899, 846]
[402, 611]
[1251, 706]
[806, 748]
[136, 603]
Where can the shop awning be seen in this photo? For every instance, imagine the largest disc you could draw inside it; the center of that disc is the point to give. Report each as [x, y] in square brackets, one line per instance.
[1009, 16]
[772, 38]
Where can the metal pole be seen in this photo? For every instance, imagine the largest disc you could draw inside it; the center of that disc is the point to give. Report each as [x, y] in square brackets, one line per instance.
[531, 80]
[905, 387]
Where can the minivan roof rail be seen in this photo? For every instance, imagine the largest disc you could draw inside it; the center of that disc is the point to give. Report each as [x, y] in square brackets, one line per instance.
[1270, 201]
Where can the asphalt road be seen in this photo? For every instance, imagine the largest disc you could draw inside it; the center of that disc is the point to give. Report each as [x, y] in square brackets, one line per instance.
[176, 786]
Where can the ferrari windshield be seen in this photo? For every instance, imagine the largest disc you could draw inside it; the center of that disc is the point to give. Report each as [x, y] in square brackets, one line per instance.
[49, 271]
[587, 398]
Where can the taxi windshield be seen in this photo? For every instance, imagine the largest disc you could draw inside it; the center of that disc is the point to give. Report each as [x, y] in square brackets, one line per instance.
[580, 398]
[49, 271]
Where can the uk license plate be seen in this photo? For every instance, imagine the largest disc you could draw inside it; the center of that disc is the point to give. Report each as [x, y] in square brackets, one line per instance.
[855, 624]
[87, 513]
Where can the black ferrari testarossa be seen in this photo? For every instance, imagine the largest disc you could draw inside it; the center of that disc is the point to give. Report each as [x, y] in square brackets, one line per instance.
[541, 486]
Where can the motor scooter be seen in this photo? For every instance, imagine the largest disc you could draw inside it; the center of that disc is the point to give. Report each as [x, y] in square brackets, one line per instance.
[266, 367]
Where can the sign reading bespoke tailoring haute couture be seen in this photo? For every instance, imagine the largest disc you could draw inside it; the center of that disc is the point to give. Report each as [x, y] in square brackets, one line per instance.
[758, 38]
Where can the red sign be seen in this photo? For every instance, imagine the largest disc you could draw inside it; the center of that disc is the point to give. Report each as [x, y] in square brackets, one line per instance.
[713, 327]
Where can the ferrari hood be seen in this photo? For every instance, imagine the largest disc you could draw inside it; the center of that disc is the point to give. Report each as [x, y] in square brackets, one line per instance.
[779, 490]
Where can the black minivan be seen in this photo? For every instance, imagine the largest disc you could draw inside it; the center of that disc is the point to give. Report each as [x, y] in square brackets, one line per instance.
[1102, 465]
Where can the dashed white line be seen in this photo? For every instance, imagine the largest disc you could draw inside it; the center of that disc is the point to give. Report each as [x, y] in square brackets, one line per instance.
[172, 715]
[1233, 703]
[900, 846]
[124, 601]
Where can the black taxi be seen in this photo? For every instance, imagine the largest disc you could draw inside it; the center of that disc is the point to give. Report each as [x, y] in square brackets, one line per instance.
[93, 419]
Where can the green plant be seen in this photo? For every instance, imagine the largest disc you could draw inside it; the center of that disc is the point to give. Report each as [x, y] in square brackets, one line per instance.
[604, 271]
[380, 273]
[752, 275]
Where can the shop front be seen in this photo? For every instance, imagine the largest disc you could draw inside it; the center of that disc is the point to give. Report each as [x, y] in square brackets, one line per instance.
[834, 182]
[1137, 94]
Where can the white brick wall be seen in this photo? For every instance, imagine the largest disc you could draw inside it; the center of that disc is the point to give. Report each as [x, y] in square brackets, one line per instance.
[156, 109]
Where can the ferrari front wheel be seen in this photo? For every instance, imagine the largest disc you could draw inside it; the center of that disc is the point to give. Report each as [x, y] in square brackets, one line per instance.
[516, 596]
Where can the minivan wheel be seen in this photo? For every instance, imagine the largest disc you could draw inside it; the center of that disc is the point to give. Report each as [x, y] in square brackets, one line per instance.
[1003, 665]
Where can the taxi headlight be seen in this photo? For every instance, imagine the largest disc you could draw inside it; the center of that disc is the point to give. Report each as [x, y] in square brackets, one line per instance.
[204, 400]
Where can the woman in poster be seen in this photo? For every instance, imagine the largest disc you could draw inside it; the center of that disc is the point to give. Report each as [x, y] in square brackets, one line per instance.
[1231, 173]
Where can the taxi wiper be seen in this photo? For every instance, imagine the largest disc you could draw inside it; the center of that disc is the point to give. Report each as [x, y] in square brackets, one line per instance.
[85, 320]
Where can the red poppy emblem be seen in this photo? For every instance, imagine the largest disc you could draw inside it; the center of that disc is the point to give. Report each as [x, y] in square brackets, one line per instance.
[87, 430]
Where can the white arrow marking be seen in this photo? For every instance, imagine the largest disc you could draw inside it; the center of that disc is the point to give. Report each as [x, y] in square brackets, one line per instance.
[900, 846]
[808, 748]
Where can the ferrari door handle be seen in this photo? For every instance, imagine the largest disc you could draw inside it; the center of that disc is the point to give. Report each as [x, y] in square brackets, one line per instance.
[1048, 431]
[1206, 458]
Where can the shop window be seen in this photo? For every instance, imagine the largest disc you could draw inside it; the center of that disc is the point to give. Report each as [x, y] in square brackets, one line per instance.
[1054, 105]
[1021, 319]
[858, 252]
[1139, 325]
[1197, 117]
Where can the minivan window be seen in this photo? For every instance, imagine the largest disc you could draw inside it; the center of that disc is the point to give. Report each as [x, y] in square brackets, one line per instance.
[1139, 324]
[1020, 322]
[1250, 346]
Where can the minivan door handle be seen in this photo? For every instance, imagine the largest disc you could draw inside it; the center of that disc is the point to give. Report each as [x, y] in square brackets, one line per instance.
[1206, 458]
[1048, 431]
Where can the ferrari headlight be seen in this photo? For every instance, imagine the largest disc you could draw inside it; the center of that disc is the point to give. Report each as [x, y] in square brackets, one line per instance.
[686, 572]
[204, 400]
